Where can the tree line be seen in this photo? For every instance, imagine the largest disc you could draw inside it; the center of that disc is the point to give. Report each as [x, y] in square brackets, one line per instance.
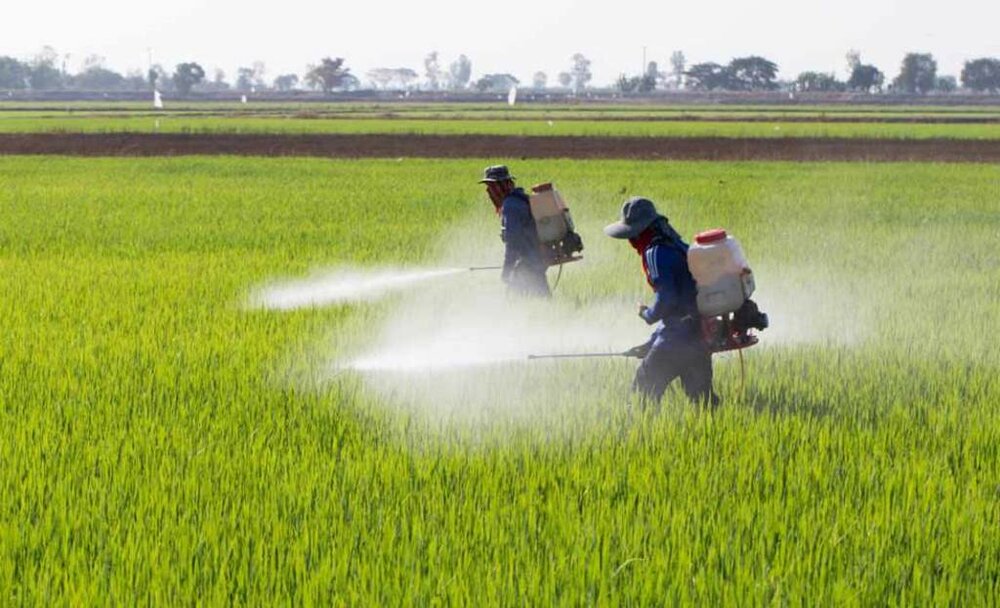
[918, 74]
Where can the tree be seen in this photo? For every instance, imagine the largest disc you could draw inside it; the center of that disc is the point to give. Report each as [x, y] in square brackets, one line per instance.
[677, 63]
[853, 58]
[432, 70]
[866, 77]
[539, 81]
[461, 72]
[707, 76]
[244, 79]
[946, 84]
[381, 78]
[752, 73]
[98, 78]
[135, 80]
[186, 76]
[651, 78]
[286, 82]
[389, 78]
[328, 75]
[565, 79]
[818, 81]
[219, 80]
[982, 74]
[13, 73]
[158, 76]
[496, 83]
[259, 74]
[350, 83]
[627, 84]
[580, 72]
[918, 73]
[44, 75]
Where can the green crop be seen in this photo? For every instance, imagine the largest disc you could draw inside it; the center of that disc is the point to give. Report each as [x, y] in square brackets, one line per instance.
[164, 444]
[534, 120]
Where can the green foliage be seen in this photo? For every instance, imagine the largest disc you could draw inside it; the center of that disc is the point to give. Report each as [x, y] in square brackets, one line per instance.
[819, 82]
[460, 72]
[98, 78]
[187, 76]
[982, 75]
[580, 72]
[13, 73]
[708, 76]
[866, 78]
[918, 73]
[497, 83]
[286, 82]
[945, 84]
[329, 75]
[45, 77]
[163, 445]
[752, 73]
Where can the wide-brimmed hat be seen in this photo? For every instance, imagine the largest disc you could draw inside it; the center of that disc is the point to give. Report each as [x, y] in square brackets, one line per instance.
[496, 173]
[637, 215]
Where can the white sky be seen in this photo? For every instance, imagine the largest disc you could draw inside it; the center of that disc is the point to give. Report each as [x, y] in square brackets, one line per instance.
[517, 36]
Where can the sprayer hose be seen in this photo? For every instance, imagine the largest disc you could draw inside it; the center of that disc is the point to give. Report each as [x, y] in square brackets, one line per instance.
[558, 276]
[743, 372]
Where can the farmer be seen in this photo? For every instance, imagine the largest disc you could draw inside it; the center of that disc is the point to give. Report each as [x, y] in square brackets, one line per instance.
[675, 348]
[524, 265]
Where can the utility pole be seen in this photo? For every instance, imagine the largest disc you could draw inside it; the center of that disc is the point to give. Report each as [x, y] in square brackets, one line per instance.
[643, 70]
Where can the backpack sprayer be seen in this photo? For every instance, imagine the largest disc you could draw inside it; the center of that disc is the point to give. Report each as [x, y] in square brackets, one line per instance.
[725, 284]
[556, 232]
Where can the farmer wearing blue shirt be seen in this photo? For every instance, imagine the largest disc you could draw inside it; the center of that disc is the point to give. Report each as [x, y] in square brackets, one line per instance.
[676, 348]
[524, 265]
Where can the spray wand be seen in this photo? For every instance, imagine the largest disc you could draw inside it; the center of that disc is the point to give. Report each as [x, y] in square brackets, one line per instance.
[638, 352]
[477, 268]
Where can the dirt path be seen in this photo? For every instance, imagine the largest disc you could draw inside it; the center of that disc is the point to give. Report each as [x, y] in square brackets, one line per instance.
[498, 146]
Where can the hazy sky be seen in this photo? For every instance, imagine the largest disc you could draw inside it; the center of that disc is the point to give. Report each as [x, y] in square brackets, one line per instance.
[519, 36]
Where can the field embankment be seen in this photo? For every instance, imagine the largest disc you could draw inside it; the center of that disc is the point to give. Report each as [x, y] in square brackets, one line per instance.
[496, 146]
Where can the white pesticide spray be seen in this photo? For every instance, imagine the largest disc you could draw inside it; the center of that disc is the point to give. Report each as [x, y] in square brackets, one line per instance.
[809, 305]
[341, 286]
[468, 332]
[457, 353]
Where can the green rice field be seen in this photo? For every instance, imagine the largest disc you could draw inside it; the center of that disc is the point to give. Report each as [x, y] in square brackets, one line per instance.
[164, 442]
[483, 119]
[548, 127]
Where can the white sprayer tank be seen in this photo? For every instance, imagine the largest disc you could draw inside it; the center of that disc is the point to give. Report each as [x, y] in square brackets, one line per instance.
[721, 271]
[551, 214]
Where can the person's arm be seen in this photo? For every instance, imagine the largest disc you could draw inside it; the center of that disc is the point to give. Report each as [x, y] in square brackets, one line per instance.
[517, 240]
[661, 263]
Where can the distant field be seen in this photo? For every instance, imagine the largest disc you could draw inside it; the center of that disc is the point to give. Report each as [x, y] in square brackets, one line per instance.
[162, 444]
[502, 109]
[15, 122]
[496, 119]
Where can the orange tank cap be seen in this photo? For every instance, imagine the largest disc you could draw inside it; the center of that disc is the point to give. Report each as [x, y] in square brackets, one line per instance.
[710, 236]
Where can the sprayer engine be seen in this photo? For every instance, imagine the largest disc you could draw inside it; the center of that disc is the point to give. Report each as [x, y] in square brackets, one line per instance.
[556, 231]
[733, 331]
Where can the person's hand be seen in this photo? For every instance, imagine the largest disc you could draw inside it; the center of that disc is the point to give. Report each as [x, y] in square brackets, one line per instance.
[642, 308]
[640, 351]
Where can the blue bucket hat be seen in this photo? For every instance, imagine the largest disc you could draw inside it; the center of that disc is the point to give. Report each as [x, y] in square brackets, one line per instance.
[496, 173]
[637, 214]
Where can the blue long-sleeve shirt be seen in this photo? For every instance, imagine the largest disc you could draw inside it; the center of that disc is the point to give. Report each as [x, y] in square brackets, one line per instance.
[519, 234]
[674, 289]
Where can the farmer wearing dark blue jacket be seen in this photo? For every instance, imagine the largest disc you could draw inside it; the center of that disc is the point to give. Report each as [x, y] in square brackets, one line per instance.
[676, 348]
[524, 265]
